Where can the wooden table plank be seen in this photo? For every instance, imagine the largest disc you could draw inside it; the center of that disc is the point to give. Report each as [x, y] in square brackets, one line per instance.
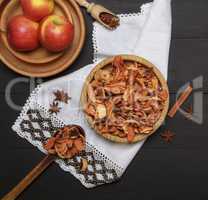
[159, 171]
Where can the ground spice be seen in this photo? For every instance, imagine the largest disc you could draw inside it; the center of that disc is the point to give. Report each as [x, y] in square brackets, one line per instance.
[109, 19]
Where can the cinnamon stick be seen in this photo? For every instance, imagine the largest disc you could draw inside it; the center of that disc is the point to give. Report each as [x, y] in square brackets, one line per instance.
[180, 101]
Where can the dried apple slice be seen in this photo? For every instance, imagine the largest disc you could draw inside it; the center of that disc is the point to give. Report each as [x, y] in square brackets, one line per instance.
[101, 111]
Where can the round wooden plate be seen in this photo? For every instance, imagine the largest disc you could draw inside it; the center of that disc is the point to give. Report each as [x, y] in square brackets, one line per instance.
[41, 63]
[128, 58]
[41, 55]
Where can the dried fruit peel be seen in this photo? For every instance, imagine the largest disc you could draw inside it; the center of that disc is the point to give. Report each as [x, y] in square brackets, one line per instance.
[66, 143]
[134, 94]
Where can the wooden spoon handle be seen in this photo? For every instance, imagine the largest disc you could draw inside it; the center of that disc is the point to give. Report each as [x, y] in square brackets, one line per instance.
[16, 191]
[83, 3]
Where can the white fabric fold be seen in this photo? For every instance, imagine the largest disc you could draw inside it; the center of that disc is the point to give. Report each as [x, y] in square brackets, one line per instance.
[146, 34]
[154, 41]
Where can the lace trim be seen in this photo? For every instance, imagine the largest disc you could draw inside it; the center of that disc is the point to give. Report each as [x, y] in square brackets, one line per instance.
[142, 12]
[31, 103]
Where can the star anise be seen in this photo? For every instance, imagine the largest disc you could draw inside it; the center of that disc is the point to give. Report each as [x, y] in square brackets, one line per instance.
[168, 136]
[54, 108]
[61, 96]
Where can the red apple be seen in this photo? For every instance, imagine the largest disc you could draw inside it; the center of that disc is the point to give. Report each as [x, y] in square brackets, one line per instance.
[56, 33]
[36, 10]
[23, 33]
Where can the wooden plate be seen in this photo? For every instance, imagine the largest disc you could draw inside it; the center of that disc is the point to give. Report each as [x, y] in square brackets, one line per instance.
[131, 58]
[41, 55]
[42, 63]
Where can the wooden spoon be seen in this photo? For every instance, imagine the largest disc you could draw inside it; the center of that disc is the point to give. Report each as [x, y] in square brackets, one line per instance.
[17, 190]
[96, 10]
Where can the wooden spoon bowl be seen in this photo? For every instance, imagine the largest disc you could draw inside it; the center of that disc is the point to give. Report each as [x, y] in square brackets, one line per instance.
[34, 173]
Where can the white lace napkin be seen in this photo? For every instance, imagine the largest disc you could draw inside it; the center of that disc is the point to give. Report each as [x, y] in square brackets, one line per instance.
[146, 34]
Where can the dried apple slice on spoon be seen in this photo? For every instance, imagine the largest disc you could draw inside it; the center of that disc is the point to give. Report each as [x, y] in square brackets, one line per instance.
[66, 143]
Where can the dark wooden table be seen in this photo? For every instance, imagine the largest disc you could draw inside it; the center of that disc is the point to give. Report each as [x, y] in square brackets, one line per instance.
[160, 171]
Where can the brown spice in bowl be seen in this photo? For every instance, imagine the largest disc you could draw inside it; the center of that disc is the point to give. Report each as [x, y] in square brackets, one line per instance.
[109, 19]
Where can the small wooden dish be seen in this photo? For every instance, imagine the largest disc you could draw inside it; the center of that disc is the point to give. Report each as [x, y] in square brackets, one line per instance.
[41, 63]
[128, 58]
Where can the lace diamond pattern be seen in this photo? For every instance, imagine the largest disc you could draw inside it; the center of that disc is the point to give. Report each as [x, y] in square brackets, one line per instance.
[97, 173]
[40, 127]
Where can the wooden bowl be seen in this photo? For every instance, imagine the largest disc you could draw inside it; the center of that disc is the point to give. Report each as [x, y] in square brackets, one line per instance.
[131, 58]
[41, 63]
[40, 55]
